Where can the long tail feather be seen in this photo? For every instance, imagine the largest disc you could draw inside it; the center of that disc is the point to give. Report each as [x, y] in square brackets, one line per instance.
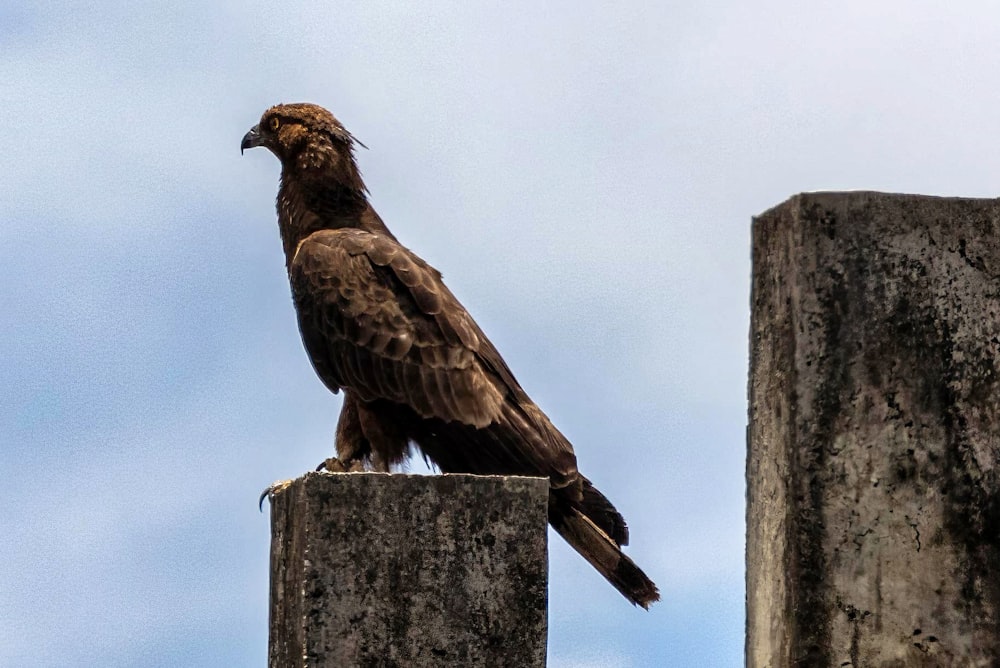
[603, 554]
[603, 513]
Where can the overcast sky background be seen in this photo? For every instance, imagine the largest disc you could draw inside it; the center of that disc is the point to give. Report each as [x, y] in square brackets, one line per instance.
[582, 173]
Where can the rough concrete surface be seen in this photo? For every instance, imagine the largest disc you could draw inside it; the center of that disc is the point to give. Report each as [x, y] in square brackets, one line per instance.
[371, 569]
[873, 517]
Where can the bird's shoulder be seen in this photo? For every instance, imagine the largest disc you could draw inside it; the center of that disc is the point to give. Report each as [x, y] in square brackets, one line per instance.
[373, 276]
[378, 320]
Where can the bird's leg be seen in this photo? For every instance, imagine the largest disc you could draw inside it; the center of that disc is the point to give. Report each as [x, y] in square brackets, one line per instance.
[352, 446]
[383, 433]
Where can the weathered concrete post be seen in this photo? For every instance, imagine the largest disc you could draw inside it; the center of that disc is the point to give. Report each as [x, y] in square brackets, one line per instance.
[371, 569]
[873, 518]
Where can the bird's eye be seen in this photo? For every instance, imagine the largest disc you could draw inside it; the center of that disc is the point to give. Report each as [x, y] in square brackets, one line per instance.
[274, 123]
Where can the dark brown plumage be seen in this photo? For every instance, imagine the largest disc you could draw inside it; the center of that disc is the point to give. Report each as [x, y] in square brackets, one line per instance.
[379, 323]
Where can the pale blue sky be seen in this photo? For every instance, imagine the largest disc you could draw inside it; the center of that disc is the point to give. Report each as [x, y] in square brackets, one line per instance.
[582, 173]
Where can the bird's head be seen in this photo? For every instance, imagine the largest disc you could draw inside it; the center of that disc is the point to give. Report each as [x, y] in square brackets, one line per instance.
[305, 137]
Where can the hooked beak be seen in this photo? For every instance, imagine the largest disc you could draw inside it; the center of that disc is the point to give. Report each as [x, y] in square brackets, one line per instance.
[251, 139]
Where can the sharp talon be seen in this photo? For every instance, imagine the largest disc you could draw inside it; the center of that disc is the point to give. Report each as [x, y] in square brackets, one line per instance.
[333, 465]
[273, 487]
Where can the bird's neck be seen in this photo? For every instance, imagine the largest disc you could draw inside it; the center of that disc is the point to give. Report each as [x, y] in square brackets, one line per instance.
[307, 207]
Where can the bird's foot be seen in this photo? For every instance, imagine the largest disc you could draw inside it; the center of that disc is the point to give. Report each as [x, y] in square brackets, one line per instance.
[271, 489]
[335, 465]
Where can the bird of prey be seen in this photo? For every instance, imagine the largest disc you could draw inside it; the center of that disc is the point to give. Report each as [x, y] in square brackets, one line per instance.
[378, 323]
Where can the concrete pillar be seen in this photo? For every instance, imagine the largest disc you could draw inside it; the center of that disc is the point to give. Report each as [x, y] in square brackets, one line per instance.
[371, 569]
[873, 516]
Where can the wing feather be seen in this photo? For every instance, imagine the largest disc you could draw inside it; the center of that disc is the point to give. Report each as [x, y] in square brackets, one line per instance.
[379, 321]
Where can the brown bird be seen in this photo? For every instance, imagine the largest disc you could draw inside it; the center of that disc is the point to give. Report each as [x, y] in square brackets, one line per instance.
[379, 323]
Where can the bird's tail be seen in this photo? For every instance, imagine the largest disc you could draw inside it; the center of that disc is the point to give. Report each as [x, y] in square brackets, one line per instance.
[596, 530]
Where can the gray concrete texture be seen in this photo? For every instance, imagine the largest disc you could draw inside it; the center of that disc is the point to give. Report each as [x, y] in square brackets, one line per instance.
[373, 569]
[873, 518]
